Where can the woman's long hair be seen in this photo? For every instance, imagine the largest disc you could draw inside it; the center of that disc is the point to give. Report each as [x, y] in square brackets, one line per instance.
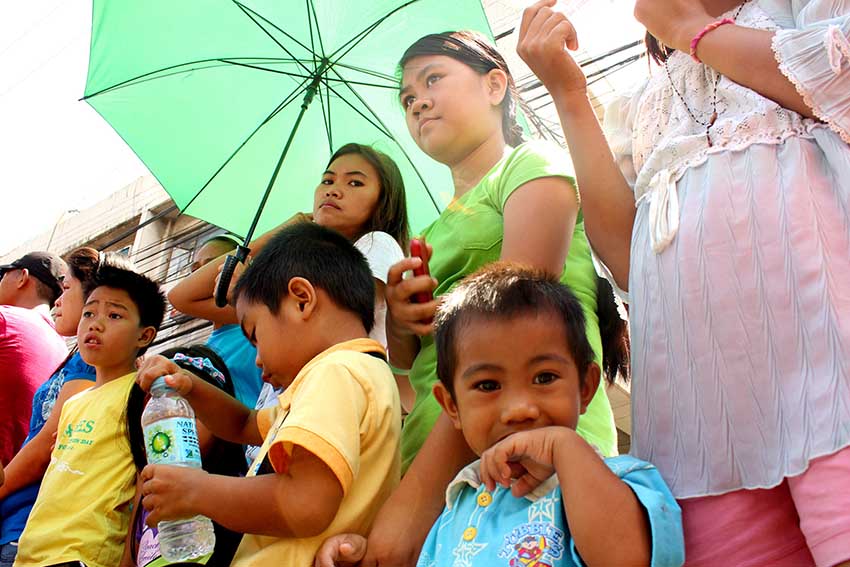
[613, 332]
[83, 263]
[657, 51]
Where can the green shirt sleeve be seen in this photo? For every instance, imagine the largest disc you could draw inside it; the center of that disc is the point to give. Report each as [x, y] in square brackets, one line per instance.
[530, 161]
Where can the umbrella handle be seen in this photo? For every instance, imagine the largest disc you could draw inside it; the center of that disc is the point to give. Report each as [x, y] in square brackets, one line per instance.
[227, 274]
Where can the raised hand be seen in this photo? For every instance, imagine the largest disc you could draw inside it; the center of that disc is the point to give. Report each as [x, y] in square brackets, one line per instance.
[545, 36]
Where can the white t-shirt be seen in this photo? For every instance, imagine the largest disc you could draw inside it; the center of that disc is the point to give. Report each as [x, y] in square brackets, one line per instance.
[381, 251]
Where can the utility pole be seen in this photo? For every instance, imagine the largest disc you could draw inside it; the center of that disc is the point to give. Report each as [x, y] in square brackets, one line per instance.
[59, 220]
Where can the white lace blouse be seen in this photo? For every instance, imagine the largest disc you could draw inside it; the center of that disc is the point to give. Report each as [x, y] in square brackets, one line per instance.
[740, 264]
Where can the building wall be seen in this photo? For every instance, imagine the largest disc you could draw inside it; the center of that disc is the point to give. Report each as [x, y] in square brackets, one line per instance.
[120, 210]
[162, 249]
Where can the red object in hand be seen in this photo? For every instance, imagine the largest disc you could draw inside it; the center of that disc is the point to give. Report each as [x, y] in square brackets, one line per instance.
[420, 250]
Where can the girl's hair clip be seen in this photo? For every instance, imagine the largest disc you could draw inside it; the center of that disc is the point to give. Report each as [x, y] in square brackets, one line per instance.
[202, 364]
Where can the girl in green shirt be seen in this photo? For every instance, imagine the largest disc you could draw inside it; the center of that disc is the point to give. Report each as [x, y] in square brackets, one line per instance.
[513, 201]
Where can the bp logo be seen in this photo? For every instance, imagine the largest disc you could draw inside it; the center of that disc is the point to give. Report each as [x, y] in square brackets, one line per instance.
[160, 444]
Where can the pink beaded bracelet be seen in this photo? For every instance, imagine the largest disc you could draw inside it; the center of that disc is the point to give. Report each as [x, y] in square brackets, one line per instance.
[709, 28]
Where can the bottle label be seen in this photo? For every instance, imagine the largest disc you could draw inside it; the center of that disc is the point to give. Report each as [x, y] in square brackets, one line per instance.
[173, 441]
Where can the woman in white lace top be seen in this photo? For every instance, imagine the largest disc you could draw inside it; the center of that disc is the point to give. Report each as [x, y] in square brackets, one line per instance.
[725, 213]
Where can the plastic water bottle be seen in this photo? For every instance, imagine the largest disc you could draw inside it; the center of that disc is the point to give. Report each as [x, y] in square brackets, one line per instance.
[171, 438]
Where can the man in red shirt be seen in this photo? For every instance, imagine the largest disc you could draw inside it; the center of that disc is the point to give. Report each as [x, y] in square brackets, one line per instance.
[30, 348]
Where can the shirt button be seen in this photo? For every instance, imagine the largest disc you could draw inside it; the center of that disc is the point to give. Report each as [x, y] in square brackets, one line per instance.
[469, 533]
[484, 499]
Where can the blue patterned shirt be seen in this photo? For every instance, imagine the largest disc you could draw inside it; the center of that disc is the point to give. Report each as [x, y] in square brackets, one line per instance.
[482, 528]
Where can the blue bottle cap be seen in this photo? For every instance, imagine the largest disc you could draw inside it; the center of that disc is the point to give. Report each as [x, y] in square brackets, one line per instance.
[159, 384]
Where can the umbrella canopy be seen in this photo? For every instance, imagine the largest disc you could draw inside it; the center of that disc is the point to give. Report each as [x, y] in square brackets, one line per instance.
[209, 93]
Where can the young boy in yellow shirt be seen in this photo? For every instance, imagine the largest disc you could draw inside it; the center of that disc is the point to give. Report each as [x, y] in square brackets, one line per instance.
[307, 303]
[83, 506]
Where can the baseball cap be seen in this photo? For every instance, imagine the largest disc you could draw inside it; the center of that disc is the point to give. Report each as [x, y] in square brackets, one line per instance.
[46, 266]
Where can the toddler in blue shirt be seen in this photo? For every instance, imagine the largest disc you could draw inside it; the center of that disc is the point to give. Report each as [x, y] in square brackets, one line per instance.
[516, 372]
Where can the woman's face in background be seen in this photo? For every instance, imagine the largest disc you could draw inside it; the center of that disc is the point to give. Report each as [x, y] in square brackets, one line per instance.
[347, 195]
[69, 306]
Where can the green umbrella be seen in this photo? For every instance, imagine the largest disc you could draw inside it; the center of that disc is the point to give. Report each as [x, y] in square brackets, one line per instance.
[235, 107]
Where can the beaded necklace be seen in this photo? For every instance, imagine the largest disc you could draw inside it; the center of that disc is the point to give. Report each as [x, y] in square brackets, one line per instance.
[713, 118]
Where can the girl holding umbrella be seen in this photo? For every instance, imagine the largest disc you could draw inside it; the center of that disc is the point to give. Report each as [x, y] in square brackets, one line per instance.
[361, 195]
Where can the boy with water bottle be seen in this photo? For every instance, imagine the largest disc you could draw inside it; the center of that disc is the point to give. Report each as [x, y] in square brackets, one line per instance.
[83, 507]
[331, 445]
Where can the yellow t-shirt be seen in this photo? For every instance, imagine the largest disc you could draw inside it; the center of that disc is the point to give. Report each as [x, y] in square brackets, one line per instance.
[83, 506]
[343, 407]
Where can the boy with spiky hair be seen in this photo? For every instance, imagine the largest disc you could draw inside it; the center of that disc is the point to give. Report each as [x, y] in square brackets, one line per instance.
[83, 507]
[332, 443]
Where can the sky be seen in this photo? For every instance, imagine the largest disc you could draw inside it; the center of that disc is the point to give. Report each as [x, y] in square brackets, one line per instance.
[57, 154]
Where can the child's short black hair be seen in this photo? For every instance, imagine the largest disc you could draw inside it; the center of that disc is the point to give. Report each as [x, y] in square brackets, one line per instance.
[321, 255]
[505, 291]
[143, 292]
